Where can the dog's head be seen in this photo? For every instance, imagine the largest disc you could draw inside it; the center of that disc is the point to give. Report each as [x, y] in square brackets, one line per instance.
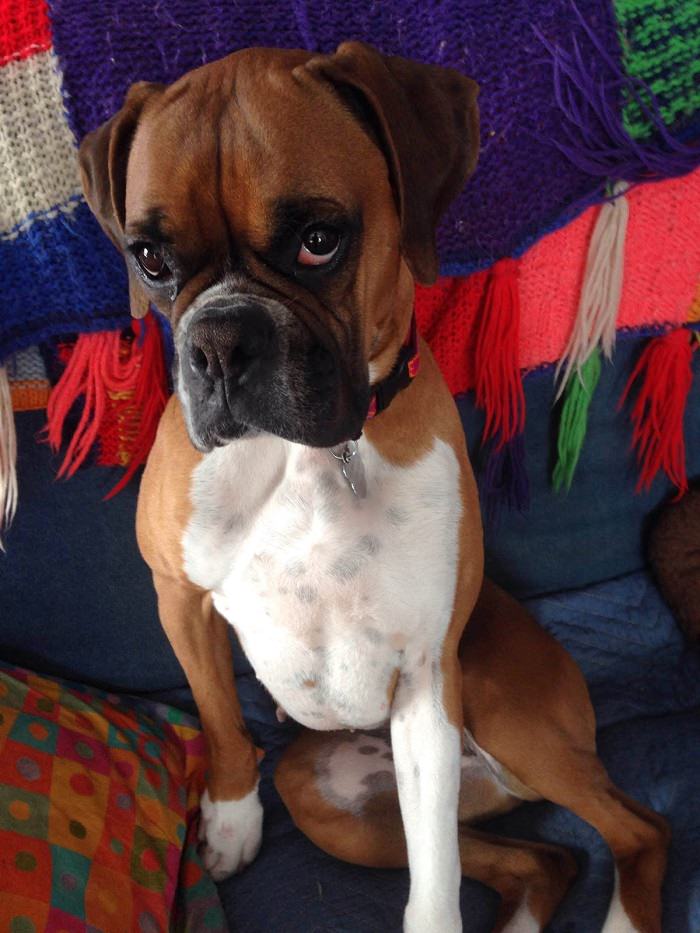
[277, 206]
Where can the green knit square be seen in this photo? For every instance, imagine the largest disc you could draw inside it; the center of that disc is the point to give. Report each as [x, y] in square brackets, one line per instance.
[660, 42]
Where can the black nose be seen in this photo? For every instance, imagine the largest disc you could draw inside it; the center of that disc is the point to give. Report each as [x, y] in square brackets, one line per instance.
[227, 344]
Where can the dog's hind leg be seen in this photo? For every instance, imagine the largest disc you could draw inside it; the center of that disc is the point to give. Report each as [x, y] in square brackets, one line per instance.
[637, 836]
[340, 790]
[528, 707]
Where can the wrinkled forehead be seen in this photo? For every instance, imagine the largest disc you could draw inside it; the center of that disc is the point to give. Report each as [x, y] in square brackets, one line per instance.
[234, 138]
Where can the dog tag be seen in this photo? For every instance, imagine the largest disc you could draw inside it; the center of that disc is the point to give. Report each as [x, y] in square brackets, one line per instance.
[351, 466]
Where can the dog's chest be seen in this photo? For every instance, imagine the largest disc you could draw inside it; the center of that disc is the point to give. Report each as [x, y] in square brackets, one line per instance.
[331, 596]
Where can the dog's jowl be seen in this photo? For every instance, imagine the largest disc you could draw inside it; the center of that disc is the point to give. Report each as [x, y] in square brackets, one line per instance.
[310, 484]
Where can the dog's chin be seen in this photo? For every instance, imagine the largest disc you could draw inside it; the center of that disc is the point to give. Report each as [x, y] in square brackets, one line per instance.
[206, 438]
[225, 424]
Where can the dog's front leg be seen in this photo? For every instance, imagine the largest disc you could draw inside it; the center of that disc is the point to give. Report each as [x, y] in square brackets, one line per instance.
[231, 820]
[427, 745]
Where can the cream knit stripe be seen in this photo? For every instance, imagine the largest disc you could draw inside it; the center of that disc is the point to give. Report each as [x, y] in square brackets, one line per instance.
[38, 160]
[57, 210]
[8, 455]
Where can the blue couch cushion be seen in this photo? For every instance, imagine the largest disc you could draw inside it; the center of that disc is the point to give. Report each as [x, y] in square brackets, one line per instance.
[596, 531]
[76, 600]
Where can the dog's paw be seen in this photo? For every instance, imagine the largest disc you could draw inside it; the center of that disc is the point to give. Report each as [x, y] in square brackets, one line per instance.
[420, 919]
[230, 832]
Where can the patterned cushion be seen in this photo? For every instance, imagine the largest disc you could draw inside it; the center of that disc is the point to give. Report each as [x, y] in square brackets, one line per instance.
[97, 798]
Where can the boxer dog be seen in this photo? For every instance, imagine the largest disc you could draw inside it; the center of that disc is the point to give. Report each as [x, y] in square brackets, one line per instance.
[310, 486]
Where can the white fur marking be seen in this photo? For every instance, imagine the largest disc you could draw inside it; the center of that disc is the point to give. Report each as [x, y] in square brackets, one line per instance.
[231, 831]
[318, 583]
[427, 756]
[504, 779]
[617, 920]
[522, 921]
[355, 763]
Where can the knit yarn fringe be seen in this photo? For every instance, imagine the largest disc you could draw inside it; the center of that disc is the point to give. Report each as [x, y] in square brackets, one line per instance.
[596, 320]
[573, 422]
[498, 386]
[589, 90]
[122, 381]
[8, 455]
[504, 480]
[664, 378]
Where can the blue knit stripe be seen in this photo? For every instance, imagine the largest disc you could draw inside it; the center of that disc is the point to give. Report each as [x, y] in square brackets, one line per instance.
[60, 276]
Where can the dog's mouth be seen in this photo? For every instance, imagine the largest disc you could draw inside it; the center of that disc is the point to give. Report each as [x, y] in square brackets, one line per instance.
[247, 365]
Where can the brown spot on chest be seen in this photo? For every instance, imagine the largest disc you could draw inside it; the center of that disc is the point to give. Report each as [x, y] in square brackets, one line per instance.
[398, 641]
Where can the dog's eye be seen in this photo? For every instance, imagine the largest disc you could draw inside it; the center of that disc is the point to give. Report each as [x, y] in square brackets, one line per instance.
[151, 260]
[318, 246]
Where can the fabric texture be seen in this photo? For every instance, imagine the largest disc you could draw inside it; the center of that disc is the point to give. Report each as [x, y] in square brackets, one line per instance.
[61, 275]
[661, 277]
[97, 801]
[38, 169]
[596, 530]
[29, 383]
[661, 47]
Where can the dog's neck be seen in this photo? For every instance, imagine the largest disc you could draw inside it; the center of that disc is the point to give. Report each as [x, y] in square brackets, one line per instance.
[404, 370]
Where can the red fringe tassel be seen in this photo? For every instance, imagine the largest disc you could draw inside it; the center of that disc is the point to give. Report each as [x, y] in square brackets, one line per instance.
[665, 376]
[499, 389]
[124, 385]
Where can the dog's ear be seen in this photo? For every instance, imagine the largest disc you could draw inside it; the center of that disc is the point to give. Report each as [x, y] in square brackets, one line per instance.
[427, 121]
[103, 158]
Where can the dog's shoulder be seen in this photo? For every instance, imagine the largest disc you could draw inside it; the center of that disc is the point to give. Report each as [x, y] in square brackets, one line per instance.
[164, 505]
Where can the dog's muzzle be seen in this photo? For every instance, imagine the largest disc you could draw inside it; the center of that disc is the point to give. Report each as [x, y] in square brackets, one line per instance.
[248, 364]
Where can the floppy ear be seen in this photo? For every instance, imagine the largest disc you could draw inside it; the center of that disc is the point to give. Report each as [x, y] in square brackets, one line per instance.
[427, 120]
[103, 158]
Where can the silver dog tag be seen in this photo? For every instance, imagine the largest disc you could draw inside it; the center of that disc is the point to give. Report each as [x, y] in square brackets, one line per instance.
[351, 466]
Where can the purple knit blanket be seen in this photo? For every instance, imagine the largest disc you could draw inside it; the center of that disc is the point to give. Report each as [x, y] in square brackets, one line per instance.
[538, 167]
[523, 183]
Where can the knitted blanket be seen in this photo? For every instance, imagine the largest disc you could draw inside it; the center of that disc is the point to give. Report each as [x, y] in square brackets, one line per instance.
[553, 101]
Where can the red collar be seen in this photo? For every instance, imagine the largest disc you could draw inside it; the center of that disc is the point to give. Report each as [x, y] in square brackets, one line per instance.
[402, 374]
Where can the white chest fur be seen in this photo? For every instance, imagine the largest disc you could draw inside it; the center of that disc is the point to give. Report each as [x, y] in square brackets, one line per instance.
[331, 596]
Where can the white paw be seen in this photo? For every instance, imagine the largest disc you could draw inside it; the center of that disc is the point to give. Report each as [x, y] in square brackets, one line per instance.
[617, 920]
[430, 921]
[230, 832]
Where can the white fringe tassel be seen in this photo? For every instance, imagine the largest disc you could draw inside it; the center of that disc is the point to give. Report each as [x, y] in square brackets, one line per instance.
[596, 320]
[8, 455]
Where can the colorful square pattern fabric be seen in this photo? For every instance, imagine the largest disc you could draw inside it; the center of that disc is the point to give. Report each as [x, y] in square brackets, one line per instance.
[98, 796]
